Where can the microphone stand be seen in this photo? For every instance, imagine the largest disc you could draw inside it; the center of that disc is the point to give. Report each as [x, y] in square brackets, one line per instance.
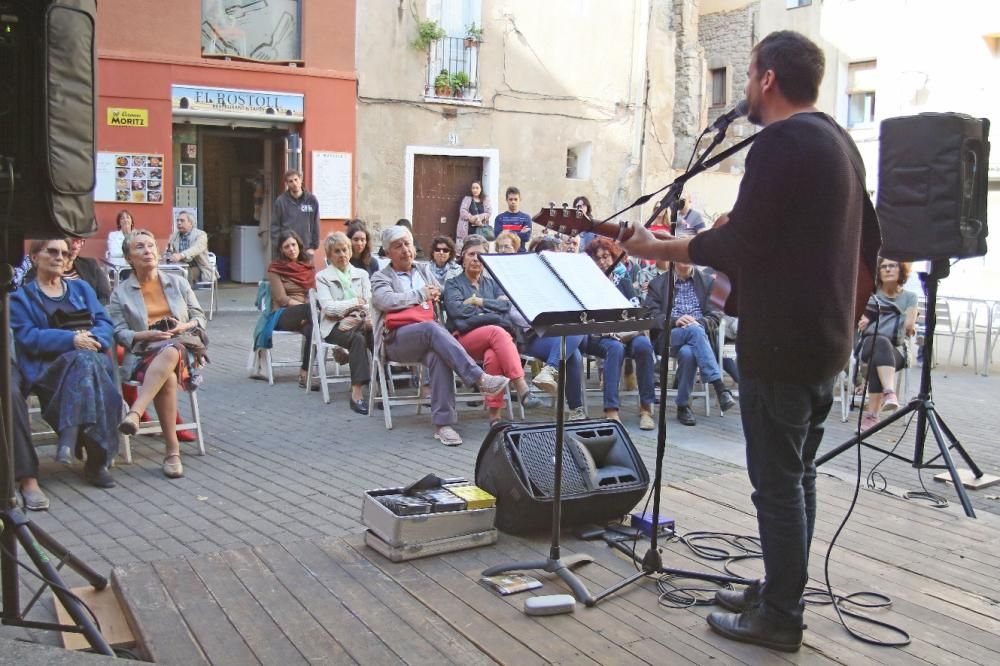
[652, 561]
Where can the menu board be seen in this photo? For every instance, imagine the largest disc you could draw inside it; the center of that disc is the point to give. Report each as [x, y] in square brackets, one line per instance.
[331, 183]
[129, 178]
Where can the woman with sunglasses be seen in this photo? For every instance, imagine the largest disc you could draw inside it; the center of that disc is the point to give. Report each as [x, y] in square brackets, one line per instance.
[63, 336]
[885, 348]
[443, 259]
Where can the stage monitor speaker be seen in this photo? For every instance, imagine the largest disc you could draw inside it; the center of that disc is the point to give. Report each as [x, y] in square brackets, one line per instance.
[47, 117]
[603, 475]
[932, 186]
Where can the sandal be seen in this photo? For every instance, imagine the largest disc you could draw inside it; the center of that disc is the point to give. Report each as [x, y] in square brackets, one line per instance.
[173, 470]
[130, 425]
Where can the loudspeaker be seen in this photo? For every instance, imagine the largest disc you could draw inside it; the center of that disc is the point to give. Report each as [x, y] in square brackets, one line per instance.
[603, 475]
[932, 172]
[47, 117]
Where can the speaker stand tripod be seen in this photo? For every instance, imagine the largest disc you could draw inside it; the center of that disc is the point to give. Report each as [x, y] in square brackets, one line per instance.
[923, 406]
[15, 529]
[555, 563]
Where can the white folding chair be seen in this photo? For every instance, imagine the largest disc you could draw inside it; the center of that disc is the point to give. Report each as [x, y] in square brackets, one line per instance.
[262, 359]
[383, 391]
[319, 353]
[211, 285]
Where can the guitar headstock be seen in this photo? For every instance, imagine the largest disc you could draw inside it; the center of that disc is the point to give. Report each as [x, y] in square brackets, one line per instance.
[563, 219]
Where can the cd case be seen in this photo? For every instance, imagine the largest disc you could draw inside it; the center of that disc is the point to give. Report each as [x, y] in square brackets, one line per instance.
[510, 583]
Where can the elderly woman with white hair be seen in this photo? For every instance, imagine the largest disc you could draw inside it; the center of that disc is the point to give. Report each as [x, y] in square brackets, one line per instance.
[403, 299]
[345, 293]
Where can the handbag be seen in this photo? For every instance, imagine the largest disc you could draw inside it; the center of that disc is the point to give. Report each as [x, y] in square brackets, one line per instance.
[73, 320]
[414, 314]
[352, 319]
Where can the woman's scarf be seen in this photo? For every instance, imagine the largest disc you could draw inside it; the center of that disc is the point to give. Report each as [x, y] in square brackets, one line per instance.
[345, 281]
[300, 273]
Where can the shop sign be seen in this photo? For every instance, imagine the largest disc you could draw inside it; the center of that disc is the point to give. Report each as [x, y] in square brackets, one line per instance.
[233, 103]
[128, 117]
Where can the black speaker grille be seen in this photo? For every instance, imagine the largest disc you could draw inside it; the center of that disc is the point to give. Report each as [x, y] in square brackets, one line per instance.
[538, 453]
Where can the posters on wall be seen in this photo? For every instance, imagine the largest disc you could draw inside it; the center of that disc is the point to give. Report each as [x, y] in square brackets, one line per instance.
[331, 183]
[129, 178]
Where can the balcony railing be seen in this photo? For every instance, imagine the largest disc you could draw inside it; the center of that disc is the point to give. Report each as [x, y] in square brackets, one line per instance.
[454, 60]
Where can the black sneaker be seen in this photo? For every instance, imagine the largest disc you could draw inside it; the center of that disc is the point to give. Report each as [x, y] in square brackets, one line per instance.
[726, 401]
[685, 415]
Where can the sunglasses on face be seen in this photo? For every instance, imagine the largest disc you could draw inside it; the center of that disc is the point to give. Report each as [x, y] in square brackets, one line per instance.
[55, 253]
[441, 249]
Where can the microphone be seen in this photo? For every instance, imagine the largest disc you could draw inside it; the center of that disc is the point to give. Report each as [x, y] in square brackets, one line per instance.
[727, 119]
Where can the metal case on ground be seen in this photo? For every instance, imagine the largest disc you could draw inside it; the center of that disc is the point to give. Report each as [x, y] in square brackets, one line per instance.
[411, 551]
[420, 529]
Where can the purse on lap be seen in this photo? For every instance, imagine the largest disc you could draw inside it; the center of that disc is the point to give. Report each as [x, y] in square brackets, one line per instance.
[414, 314]
[74, 320]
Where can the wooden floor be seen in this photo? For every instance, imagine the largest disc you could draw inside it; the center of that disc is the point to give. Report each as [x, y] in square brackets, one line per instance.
[333, 600]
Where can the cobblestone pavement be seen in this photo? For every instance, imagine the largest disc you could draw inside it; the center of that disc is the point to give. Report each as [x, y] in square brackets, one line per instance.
[282, 465]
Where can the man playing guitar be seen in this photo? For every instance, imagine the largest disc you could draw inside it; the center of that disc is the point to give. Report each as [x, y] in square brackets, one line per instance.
[792, 245]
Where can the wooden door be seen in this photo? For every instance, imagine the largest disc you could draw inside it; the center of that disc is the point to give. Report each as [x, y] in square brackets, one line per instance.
[439, 183]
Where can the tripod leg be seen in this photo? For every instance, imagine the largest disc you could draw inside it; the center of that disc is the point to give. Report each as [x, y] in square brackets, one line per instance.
[958, 447]
[8, 573]
[72, 561]
[963, 497]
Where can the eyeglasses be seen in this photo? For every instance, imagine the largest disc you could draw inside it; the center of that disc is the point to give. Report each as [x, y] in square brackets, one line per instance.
[56, 253]
[886, 267]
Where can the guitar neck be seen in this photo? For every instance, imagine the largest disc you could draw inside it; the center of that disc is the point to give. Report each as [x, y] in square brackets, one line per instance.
[570, 222]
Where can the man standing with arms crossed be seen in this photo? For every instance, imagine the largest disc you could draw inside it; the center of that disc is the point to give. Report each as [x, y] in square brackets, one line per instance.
[794, 242]
[297, 210]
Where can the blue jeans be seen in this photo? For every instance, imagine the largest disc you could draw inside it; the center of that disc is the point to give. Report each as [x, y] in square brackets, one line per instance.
[614, 352]
[547, 351]
[783, 427]
[690, 345]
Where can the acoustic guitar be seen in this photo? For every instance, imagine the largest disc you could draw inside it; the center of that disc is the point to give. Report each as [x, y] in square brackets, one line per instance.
[570, 222]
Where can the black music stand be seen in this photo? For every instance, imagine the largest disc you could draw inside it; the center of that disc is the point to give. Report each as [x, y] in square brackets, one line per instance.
[561, 294]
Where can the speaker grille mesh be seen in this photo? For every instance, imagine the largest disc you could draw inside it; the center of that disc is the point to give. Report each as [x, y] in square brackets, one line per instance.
[538, 453]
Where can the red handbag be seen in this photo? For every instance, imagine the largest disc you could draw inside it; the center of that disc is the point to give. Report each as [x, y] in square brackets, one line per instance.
[411, 315]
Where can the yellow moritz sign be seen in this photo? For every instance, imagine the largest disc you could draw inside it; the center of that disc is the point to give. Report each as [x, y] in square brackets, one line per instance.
[128, 117]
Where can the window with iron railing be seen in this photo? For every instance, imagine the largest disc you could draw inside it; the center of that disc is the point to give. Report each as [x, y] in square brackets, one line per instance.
[453, 69]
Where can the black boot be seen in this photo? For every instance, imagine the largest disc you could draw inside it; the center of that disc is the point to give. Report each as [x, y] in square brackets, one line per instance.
[756, 626]
[95, 469]
[738, 601]
[725, 396]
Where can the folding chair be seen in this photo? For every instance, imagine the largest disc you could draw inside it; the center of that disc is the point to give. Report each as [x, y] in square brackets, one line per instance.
[318, 353]
[212, 285]
[262, 359]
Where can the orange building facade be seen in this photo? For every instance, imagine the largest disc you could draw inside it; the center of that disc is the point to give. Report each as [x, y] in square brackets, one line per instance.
[203, 105]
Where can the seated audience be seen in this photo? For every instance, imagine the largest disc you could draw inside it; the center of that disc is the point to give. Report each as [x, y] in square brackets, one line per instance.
[189, 246]
[885, 348]
[443, 263]
[570, 243]
[361, 247]
[116, 238]
[543, 244]
[406, 286]
[419, 251]
[88, 270]
[345, 293]
[63, 337]
[614, 348]
[474, 214]
[157, 320]
[693, 323]
[508, 243]
[291, 276]
[479, 318]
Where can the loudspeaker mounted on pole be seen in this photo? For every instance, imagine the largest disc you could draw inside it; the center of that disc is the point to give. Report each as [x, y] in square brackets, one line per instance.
[933, 170]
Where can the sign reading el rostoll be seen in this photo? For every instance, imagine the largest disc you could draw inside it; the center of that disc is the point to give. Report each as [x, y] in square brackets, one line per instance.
[222, 102]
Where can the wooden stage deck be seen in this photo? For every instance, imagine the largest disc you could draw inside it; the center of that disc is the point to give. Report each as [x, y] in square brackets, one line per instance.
[335, 601]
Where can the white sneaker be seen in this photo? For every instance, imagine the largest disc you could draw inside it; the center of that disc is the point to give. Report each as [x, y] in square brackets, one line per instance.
[547, 380]
[577, 414]
[490, 385]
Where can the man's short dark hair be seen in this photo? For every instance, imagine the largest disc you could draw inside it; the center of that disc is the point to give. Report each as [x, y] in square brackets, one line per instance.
[512, 190]
[797, 62]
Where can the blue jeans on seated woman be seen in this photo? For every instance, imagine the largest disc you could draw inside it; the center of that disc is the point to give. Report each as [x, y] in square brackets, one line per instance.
[783, 427]
[547, 351]
[613, 352]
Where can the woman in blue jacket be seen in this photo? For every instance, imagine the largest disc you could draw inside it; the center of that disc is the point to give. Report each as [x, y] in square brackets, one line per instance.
[62, 337]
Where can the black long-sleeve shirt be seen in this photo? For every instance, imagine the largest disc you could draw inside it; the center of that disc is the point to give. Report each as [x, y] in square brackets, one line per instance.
[792, 247]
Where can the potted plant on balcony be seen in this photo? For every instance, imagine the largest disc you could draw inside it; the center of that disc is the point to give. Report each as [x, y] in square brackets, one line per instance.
[473, 35]
[428, 32]
[459, 83]
[442, 84]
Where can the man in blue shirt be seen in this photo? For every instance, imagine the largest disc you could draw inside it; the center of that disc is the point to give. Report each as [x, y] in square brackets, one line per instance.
[513, 219]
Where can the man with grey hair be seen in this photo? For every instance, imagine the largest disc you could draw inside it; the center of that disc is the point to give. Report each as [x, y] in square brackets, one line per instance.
[403, 285]
[297, 210]
[189, 246]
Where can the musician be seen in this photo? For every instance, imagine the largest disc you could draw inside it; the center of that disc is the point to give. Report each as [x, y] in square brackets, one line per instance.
[693, 322]
[792, 245]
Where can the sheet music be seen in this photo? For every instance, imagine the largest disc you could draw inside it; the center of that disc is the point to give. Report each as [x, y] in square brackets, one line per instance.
[530, 284]
[586, 280]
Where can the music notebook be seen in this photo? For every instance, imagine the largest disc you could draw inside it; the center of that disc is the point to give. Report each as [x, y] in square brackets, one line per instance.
[555, 291]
